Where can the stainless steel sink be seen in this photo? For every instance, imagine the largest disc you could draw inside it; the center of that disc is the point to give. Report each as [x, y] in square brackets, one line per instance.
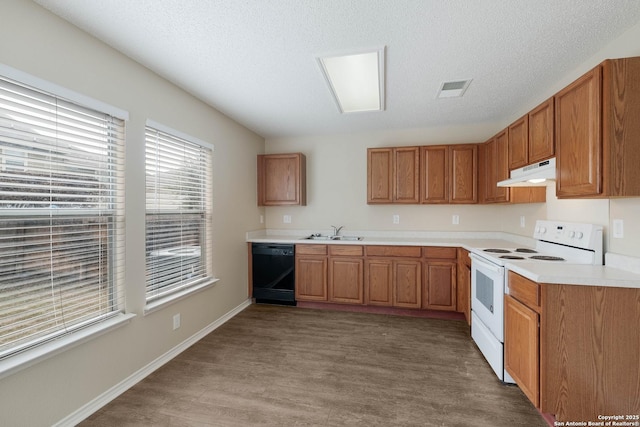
[343, 238]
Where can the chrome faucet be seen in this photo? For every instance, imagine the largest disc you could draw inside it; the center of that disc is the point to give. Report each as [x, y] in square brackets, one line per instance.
[336, 230]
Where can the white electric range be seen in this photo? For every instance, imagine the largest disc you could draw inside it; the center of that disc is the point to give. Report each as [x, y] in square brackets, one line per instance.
[555, 242]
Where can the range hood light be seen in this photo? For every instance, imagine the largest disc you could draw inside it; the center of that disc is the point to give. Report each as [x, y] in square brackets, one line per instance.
[536, 180]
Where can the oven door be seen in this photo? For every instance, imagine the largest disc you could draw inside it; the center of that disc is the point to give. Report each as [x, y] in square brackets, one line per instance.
[487, 294]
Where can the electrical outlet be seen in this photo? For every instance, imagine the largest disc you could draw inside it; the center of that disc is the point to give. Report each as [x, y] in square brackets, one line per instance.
[618, 228]
[261, 219]
[396, 219]
[522, 221]
[286, 219]
[176, 321]
[455, 219]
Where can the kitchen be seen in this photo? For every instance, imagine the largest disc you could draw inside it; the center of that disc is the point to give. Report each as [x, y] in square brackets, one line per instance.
[336, 186]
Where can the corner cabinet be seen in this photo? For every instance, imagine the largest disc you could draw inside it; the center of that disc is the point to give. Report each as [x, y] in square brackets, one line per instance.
[531, 137]
[282, 179]
[493, 159]
[597, 132]
[497, 167]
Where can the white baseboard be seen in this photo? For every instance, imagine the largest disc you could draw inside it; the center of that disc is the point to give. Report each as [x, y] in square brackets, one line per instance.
[85, 411]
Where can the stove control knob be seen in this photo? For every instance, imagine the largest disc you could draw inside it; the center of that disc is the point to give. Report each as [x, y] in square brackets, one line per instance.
[579, 234]
[572, 234]
[542, 230]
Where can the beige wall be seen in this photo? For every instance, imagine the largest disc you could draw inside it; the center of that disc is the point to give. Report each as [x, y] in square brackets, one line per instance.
[337, 187]
[36, 42]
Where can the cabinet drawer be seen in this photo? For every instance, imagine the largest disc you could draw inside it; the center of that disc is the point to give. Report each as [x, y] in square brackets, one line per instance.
[399, 251]
[311, 249]
[346, 250]
[439, 252]
[524, 290]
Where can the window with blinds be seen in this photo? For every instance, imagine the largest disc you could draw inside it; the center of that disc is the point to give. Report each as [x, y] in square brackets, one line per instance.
[178, 213]
[61, 217]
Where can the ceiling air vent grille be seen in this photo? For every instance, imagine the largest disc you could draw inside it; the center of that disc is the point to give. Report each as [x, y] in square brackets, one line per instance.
[453, 89]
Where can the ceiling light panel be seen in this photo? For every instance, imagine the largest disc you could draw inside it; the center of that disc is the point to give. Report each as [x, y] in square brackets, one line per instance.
[356, 80]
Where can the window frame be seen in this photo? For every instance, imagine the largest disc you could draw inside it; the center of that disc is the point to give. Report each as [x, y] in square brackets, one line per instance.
[188, 289]
[28, 352]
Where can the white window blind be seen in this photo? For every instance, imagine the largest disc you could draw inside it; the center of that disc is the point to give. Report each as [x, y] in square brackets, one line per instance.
[61, 217]
[178, 213]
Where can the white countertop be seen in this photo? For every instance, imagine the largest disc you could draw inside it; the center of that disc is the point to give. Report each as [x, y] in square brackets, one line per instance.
[554, 273]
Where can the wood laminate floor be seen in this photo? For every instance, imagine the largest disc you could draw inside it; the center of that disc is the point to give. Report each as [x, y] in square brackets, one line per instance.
[287, 366]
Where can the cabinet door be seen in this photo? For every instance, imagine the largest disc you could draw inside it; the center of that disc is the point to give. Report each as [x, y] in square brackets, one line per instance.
[281, 179]
[380, 175]
[434, 174]
[541, 132]
[519, 143]
[406, 171]
[440, 286]
[378, 282]
[311, 278]
[578, 137]
[521, 347]
[490, 177]
[463, 173]
[501, 165]
[346, 281]
[407, 283]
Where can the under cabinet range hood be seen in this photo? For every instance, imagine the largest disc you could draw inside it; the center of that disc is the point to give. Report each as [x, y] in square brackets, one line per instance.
[534, 175]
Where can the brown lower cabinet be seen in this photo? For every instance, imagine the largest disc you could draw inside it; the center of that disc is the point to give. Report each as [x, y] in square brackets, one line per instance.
[574, 350]
[440, 279]
[389, 276]
[393, 276]
[311, 273]
[463, 285]
[346, 274]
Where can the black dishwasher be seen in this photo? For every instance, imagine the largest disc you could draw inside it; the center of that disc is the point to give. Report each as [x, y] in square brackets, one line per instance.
[273, 273]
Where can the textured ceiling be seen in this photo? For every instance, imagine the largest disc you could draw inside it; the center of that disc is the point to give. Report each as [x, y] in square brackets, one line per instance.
[254, 60]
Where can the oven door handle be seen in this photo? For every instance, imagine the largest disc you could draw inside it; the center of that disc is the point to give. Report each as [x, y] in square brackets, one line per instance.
[486, 264]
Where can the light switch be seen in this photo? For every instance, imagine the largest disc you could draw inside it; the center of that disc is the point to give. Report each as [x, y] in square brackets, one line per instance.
[455, 219]
[396, 219]
[286, 219]
[618, 228]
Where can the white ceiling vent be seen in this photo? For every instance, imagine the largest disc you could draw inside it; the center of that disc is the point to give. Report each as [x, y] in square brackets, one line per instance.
[453, 89]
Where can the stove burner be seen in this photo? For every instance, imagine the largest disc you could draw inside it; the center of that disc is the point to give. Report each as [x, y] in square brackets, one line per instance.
[547, 258]
[526, 251]
[497, 251]
[511, 257]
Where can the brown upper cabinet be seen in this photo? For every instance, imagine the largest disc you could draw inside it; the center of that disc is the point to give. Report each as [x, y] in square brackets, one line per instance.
[282, 179]
[597, 132]
[448, 174]
[531, 137]
[494, 167]
[393, 175]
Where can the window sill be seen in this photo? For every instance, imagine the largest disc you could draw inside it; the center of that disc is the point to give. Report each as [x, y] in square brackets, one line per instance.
[30, 357]
[170, 299]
